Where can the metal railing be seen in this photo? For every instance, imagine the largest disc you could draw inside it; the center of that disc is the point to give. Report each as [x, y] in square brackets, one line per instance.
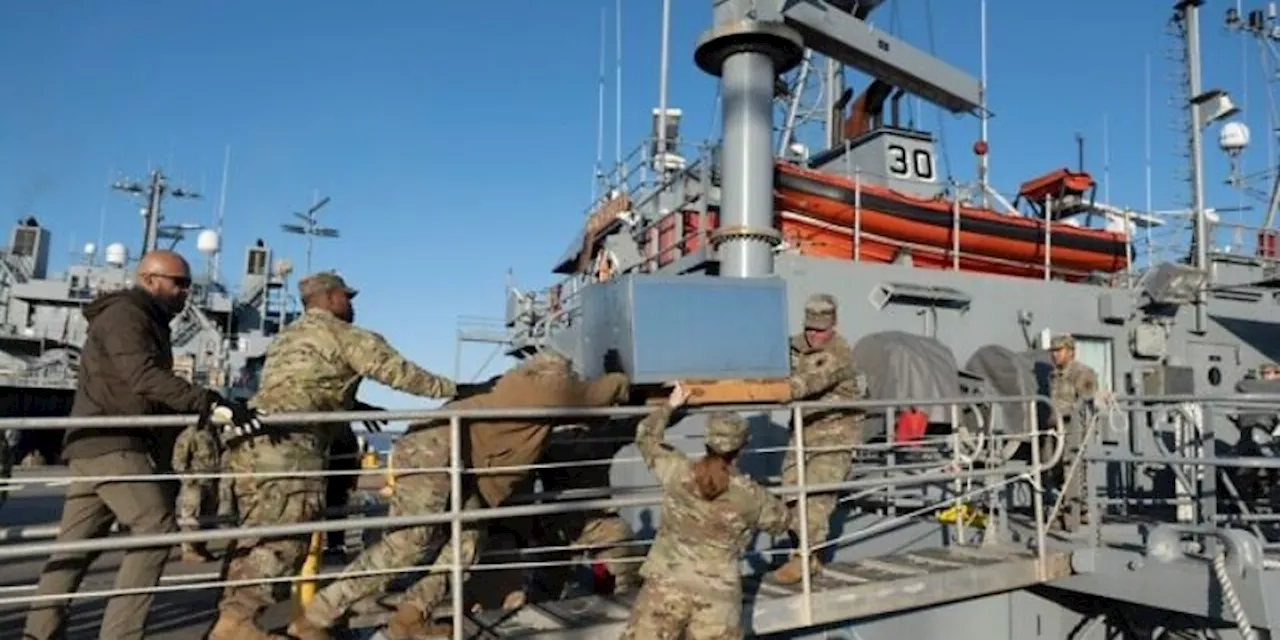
[959, 467]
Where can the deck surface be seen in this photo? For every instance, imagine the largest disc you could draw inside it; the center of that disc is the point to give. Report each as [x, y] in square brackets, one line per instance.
[855, 589]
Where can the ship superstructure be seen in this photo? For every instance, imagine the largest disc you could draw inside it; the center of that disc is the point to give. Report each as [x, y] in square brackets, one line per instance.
[955, 280]
[219, 339]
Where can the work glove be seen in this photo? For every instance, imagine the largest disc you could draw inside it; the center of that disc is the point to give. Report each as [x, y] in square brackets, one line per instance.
[468, 389]
[374, 426]
[240, 419]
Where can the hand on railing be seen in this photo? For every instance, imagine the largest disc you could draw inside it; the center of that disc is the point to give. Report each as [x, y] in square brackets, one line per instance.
[239, 419]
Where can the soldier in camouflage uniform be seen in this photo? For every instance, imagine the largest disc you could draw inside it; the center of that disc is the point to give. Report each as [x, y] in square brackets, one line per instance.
[709, 511]
[1070, 383]
[315, 364]
[544, 381]
[196, 451]
[821, 371]
[603, 530]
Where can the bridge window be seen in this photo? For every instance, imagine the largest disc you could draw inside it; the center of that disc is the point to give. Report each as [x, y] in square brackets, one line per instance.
[1096, 352]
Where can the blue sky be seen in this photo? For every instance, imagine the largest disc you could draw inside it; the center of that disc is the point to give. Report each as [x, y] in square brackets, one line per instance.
[456, 140]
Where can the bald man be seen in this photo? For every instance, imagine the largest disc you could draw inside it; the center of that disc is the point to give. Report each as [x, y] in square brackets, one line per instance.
[126, 369]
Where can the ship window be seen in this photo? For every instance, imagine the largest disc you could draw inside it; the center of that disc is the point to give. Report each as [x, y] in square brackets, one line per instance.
[1096, 352]
[1215, 376]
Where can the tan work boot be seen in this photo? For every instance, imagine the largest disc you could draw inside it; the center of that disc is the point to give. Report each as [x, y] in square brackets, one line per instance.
[234, 624]
[793, 571]
[196, 554]
[304, 629]
[410, 623]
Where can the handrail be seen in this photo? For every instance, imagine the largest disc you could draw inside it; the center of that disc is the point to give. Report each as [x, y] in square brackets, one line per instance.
[934, 472]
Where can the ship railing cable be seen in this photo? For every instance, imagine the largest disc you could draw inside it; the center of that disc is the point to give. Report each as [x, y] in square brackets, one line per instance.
[1200, 412]
[456, 516]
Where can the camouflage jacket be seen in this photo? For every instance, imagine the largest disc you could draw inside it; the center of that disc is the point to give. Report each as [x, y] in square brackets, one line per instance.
[700, 542]
[317, 363]
[1069, 385]
[825, 374]
[196, 451]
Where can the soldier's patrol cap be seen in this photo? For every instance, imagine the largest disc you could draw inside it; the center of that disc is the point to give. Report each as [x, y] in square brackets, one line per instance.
[820, 312]
[1062, 341]
[321, 282]
[726, 432]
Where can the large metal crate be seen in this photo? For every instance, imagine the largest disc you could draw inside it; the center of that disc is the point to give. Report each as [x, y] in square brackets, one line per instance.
[659, 328]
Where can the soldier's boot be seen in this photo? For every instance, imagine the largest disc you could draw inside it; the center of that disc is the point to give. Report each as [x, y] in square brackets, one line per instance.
[236, 624]
[410, 623]
[514, 600]
[793, 570]
[304, 629]
[196, 554]
[627, 582]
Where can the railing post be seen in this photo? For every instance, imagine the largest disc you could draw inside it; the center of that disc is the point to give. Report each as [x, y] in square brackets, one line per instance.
[806, 583]
[1037, 493]
[857, 208]
[955, 226]
[455, 524]
[957, 485]
[1048, 239]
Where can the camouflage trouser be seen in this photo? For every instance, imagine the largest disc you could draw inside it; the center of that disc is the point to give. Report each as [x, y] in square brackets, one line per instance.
[271, 501]
[1074, 505]
[664, 610]
[194, 499]
[822, 467]
[415, 494]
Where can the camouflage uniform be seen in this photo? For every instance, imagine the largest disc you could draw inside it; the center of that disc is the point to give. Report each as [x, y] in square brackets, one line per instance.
[692, 581]
[415, 494]
[821, 374]
[1068, 386]
[196, 451]
[315, 364]
[542, 381]
[602, 529]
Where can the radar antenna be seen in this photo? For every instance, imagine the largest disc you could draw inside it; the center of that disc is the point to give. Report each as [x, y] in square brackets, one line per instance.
[154, 191]
[310, 226]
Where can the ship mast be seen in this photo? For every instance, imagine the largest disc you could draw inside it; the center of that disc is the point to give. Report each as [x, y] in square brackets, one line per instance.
[155, 190]
[1204, 108]
[310, 226]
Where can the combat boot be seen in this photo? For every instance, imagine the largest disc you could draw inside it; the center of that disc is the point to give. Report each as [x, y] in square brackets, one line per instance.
[235, 624]
[410, 623]
[304, 629]
[196, 554]
[793, 571]
[627, 583]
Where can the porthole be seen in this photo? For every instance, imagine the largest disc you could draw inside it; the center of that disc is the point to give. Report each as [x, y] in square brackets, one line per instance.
[1215, 376]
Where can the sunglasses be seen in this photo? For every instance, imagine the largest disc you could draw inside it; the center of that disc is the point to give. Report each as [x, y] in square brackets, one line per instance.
[181, 281]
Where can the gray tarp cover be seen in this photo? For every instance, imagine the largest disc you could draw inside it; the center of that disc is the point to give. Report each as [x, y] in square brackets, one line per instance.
[1010, 373]
[902, 366]
[1264, 419]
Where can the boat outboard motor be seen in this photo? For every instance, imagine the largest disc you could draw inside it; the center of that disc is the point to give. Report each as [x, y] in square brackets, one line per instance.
[900, 366]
